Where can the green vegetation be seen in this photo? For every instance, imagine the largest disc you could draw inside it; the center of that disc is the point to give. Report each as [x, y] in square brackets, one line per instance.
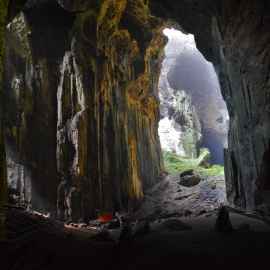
[175, 164]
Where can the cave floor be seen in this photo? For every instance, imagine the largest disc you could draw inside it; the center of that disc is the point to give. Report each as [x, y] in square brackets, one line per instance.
[170, 199]
[38, 243]
[182, 221]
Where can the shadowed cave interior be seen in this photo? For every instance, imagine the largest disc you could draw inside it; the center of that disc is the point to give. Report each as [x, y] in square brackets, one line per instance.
[134, 134]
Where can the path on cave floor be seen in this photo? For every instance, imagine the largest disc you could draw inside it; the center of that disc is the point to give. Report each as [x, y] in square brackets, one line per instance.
[45, 244]
[170, 199]
[196, 206]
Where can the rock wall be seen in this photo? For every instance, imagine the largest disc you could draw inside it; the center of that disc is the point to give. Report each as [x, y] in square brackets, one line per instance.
[95, 150]
[3, 183]
[241, 29]
[82, 131]
[32, 75]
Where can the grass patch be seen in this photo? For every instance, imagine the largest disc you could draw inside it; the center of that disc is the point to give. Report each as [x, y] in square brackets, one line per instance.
[214, 170]
[176, 164]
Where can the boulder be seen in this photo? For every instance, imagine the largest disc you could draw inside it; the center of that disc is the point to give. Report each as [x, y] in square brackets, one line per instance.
[187, 173]
[190, 180]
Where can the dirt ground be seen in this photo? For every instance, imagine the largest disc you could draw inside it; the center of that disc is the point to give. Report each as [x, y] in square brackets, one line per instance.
[174, 240]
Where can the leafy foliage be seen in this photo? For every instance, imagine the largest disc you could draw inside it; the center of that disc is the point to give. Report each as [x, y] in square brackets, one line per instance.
[175, 164]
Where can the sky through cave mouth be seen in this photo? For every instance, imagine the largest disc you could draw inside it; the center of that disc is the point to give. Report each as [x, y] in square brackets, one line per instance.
[193, 113]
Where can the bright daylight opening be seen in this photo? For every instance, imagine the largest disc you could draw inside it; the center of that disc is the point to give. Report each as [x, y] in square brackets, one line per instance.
[194, 119]
[193, 132]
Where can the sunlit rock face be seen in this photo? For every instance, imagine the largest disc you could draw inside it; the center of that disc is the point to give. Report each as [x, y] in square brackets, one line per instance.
[194, 74]
[185, 71]
[179, 126]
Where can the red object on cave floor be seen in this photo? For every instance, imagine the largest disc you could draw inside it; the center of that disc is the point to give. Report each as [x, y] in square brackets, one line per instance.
[105, 218]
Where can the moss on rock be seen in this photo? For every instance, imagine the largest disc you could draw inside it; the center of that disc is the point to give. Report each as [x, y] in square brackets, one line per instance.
[107, 105]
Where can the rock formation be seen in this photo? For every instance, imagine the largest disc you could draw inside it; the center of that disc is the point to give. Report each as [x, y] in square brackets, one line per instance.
[82, 102]
[242, 59]
[85, 106]
[3, 183]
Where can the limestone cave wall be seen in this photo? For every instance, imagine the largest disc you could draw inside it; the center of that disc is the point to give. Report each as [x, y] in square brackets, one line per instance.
[241, 30]
[3, 182]
[82, 106]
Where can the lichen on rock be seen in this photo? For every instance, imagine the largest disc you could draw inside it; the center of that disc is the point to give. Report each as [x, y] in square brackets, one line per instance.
[89, 107]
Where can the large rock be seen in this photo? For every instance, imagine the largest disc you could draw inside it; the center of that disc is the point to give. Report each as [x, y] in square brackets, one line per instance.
[187, 173]
[190, 180]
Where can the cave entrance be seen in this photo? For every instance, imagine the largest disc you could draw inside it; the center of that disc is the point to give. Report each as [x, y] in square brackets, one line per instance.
[193, 127]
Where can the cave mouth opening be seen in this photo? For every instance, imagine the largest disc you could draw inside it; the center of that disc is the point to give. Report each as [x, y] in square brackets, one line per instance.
[193, 126]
